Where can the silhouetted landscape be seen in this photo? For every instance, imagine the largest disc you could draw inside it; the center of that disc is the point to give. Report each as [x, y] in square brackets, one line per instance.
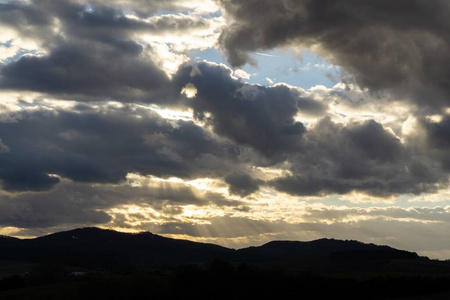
[92, 263]
[263, 123]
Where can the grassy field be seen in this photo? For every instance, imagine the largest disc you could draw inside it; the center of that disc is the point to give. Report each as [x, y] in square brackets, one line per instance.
[222, 280]
[11, 268]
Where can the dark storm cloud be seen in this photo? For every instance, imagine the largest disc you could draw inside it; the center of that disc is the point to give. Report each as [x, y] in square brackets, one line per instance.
[106, 20]
[438, 140]
[87, 69]
[398, 45]
[46, 20]
[26, 19]
[439, 133]
[44, 210]
[309, 106]
[90, 145]
[326, 158]
[14, 13]
[242, 184]
[251, 115]
[103, 146]
[24, 15]
[360, 157]
[92, 53]
[101, 16]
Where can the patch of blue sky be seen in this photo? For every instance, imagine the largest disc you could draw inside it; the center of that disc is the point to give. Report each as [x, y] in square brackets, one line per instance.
[6, 44]
[165, 12]
[418, 201]
[18, 55]
[215, 14]
[277, 66]
[210, 54]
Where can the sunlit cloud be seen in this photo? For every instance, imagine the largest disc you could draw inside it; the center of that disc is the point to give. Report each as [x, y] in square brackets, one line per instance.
[175, 117]
[189, 90]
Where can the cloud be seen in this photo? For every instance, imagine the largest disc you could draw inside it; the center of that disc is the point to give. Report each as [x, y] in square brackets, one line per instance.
[101, 61]
[242, 184]
[104, 145]
[382, 44]
[438, 139]
[81, 69]
[28, 20]
[242, 163]
[337, 158]
[63, 206]
[72, 204]
[149, 7]
[99, 52]
[252, 115]
[3, 147]
[324, 158]
[438, 132]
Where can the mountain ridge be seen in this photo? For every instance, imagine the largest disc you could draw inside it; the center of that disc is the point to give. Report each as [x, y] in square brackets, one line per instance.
[109, 247]
[93, 263]
[102, 230]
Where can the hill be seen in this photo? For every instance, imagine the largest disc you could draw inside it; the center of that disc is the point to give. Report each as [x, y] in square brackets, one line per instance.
[94, 247]
[120, 265]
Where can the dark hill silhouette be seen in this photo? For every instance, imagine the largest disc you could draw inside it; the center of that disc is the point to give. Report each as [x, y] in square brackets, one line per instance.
[144, 265]
[94, 247]
[328, 248]
[7, 240]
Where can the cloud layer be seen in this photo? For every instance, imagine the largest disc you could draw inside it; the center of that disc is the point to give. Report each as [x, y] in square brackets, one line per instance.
[401, 46]
[111, 116]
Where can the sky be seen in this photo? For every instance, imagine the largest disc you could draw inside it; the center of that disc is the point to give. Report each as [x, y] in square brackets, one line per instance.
[228, 122]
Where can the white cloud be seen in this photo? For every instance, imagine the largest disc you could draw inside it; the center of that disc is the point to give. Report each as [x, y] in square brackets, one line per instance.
[269, 80]
[189, 90]
[239, 73]
[442, 196]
